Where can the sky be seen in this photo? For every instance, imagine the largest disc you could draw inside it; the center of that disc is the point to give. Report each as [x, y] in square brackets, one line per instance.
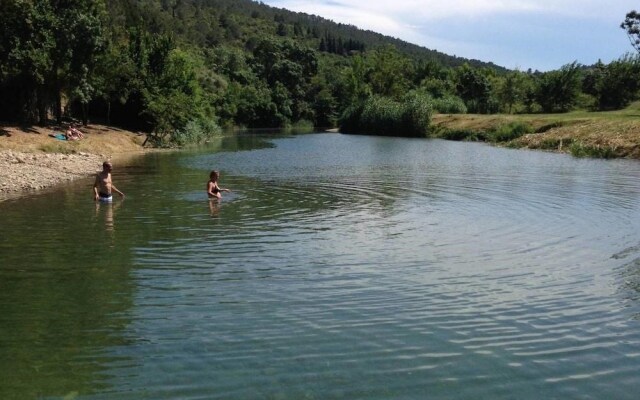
[517, 34]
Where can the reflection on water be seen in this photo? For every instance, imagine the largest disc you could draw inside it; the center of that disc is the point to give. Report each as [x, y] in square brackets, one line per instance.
[105, 212]
[64, 296]
[214, 207]
[339, 267]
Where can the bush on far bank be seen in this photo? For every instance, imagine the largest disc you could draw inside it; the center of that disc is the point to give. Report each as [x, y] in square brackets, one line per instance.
[383, 116]
[194, 132]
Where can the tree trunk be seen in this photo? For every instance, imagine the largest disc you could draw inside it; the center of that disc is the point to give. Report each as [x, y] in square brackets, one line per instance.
[41, 104]
[58, 106]
[85, 117]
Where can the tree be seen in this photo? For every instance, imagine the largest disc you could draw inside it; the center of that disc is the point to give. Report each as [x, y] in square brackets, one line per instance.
[27, 43]
[173, 95]
[49, 50]
[631, 24]
[288, 69]
[557, 91]
[614, 85]
[390, 72]
[474, 87]
[511, 89]
[84, 36]
[352, 86]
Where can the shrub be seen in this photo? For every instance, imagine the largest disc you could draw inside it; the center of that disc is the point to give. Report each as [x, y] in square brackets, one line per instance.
[383, 116]
[195, 132]
[350, 119]
[416, 115]
[449, 105]
[462, 135]
[510, 131]
[582, 150]
[554, 144]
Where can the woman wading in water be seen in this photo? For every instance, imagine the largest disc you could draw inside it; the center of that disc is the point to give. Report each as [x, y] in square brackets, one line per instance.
[213, 190]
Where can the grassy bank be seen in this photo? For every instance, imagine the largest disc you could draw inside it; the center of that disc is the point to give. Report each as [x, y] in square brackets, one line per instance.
[98, 139]
[611, 134]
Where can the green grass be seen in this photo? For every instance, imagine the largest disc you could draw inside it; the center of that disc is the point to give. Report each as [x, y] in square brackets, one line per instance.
[584, 151]
[63, 148]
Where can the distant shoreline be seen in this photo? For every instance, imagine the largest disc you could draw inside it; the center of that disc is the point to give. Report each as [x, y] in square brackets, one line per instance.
[612, 134]
[31, 160]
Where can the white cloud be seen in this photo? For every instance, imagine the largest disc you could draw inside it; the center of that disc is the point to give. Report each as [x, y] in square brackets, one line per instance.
[529, 33]
[429, 10]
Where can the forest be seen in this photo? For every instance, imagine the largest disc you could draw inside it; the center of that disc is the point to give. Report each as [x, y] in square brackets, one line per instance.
[183, 70]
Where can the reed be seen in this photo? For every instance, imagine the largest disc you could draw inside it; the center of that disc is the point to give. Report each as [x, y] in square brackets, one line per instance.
[383, 116]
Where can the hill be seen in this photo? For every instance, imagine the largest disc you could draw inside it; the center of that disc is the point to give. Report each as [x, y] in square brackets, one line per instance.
[239, 22]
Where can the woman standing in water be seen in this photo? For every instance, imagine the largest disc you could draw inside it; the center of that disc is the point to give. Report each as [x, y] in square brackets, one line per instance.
[213, 190]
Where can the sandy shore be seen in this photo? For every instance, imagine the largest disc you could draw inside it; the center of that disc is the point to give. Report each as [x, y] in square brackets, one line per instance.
[31, 160]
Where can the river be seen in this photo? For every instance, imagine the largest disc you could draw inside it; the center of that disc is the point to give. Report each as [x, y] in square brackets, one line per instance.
[339, 267]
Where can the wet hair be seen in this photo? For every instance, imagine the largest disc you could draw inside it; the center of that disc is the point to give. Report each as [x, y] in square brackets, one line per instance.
[214, 173]
[106, 165]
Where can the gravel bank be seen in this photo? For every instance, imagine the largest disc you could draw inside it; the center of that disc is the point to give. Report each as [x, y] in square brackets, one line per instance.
[23, 172]
[31, 160]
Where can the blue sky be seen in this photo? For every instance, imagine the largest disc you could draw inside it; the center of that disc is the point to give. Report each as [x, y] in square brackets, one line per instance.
[536, 34]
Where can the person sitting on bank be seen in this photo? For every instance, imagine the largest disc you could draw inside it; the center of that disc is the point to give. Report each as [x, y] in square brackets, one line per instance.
[213, 190]
[73, 133]
[103, 187]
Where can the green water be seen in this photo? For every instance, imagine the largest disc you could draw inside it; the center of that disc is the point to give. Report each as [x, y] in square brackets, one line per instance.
[339, 267]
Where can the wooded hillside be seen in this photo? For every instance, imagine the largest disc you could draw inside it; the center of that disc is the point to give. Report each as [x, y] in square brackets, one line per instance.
[182, 69]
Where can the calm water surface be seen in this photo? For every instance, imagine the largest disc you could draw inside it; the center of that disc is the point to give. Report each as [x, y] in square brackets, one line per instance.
[341, 267]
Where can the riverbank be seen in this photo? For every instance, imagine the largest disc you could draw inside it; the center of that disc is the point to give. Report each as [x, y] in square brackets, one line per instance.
[31, 159]
[611, 134]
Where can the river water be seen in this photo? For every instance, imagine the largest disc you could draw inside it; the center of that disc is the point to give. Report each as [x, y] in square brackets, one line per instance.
[340, 267]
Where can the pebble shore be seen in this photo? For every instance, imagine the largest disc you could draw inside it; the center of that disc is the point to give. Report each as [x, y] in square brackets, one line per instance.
[23, 172]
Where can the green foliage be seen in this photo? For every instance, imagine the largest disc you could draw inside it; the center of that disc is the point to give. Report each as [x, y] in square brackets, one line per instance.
[384, 116]
[508, 132]
[387, 62]
[503, 133]
[474, 87]
[173, 98]
[195, 132]
[48, 47]
[352, 86]
[416, 114]
[325, 106]
[438, 88]
[511, 90]
[581, 150]
[555, 144]
[449, 105]
[613, 86]
[166, 66]
[558, 91]
[631, 25]
[460, 135]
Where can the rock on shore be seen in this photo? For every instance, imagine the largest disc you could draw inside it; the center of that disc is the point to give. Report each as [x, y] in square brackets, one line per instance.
[20, 172]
